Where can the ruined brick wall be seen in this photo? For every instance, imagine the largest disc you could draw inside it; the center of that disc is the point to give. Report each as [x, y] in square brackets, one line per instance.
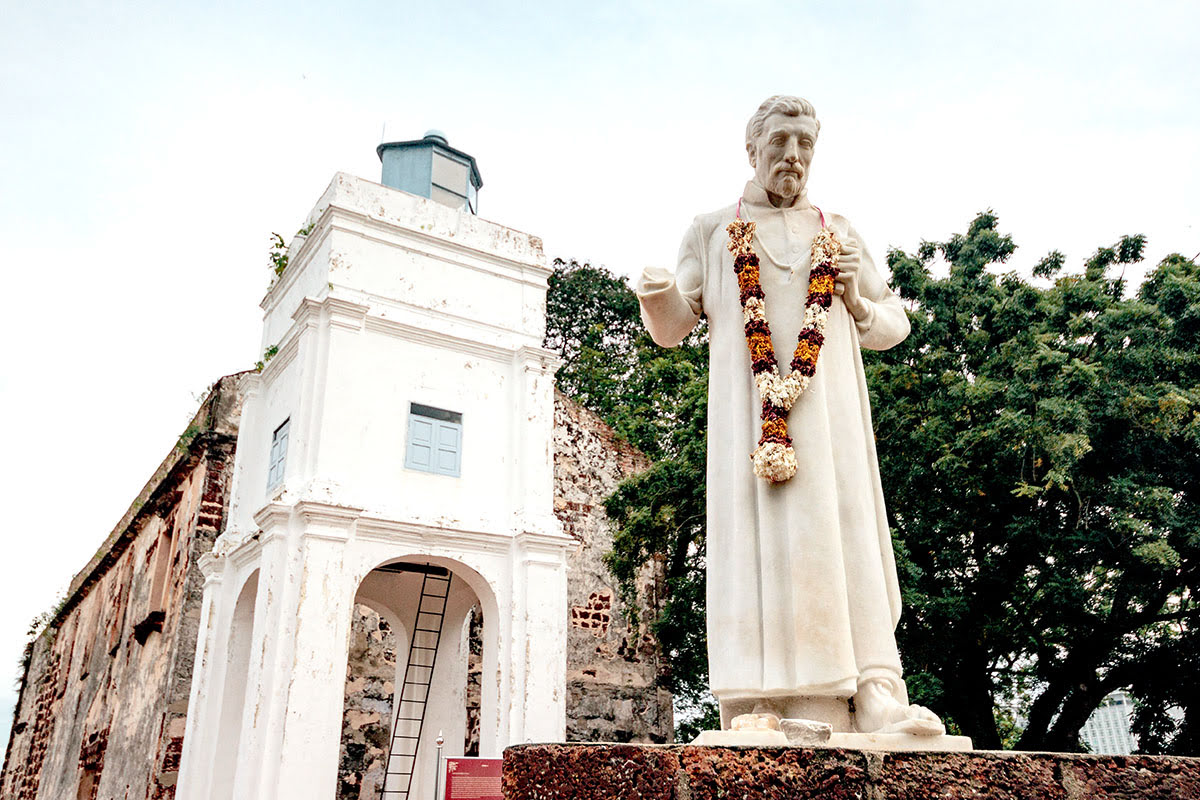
[104, 697]
[612, 667]
[367, 713]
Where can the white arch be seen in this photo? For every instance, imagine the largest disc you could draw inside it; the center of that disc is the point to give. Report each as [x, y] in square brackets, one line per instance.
[233, 697]
[480, 585]
[394, 596]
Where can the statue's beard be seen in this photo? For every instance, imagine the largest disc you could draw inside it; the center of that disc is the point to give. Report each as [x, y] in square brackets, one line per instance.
[786, 184]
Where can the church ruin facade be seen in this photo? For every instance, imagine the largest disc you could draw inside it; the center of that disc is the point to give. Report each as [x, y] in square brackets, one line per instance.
[392, 532]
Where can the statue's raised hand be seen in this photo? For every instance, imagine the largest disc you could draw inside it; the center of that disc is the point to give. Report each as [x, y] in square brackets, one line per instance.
[849, 265]
[655, 279]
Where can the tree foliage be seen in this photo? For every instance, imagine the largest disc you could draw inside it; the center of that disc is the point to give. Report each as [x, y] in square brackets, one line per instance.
[656, 398]
[1039, 444]
[1039, 448]
[611, 366]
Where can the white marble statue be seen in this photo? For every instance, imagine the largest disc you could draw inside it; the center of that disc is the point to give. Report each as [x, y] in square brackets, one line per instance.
[802, 592]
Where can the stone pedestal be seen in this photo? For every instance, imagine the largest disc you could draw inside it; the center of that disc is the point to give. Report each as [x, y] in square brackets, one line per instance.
[671, 772]
[815, 734]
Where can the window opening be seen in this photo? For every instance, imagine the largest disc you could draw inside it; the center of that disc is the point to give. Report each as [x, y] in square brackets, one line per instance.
[279, 445]
[434, 440]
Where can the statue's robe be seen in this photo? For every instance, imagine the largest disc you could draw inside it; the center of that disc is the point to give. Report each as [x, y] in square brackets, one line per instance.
[802, 590]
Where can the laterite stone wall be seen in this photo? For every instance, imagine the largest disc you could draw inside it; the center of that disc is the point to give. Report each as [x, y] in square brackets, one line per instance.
[612, 666]
[600, 772]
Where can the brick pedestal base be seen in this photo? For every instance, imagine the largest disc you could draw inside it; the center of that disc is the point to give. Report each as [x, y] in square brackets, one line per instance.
[650, 772]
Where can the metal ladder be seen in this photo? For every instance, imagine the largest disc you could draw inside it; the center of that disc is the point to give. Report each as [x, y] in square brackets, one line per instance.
[418, 677]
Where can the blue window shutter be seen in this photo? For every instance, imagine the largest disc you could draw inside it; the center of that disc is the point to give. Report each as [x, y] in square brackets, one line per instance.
[278, 454]
[449, 449]
[434, 440]
[421, 441]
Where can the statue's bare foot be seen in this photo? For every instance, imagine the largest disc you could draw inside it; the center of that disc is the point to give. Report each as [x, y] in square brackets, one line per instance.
[764, 721]
[877, 709]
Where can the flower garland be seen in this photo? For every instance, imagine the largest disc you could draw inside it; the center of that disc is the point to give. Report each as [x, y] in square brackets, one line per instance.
[774, 458]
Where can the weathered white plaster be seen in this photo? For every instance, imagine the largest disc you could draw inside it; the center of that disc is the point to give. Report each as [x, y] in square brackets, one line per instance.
[391, 299]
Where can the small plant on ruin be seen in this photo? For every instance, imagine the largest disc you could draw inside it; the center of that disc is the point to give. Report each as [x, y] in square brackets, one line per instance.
[279, 249]
[278, 254]
[39, 626]
[268, 354]
[185, 438]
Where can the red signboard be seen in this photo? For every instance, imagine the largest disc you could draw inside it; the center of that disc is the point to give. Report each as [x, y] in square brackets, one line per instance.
[473, 778]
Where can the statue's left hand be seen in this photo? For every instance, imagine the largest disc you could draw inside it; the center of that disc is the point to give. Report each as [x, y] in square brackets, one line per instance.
[849, 264]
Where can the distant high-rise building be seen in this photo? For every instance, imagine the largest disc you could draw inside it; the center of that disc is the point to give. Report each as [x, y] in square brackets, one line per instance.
[1107, 729]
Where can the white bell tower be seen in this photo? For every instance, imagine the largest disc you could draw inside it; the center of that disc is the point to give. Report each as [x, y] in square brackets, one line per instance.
[400, 435]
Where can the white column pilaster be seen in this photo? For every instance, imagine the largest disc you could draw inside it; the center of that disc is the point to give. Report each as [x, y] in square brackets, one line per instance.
[299, 742]
[274, 609]
[204, 700]
[540, 605]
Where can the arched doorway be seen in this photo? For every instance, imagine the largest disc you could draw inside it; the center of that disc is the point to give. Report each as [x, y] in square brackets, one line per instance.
[233, 697]
[418, 651]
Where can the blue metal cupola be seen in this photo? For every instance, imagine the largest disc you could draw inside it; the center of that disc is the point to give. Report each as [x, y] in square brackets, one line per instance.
[431, 168]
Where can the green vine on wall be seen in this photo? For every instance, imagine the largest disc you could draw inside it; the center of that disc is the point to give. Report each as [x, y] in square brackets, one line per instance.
[278, 256]
[278, 253]
[268, 354]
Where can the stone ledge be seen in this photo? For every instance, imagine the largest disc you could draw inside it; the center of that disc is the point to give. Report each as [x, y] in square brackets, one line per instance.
[674, 772]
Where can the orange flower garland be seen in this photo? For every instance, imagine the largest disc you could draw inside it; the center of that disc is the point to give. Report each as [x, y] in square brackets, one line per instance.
[775, 459]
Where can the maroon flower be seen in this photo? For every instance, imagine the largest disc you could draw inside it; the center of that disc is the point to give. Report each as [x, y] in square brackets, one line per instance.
[757, 326]
[803, 367]
[751, 291]
[784, 440]
[762, 364]
[823, 299]
[812, 336]
[772, 411]
[745, 260]
[821, 271]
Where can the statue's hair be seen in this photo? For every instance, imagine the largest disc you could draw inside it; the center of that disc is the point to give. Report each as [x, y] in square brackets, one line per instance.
[779, 104]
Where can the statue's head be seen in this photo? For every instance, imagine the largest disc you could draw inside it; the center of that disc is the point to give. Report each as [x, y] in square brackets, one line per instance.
[780, 138]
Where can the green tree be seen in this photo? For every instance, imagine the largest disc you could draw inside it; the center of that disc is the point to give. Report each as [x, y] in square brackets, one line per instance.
[1039, 448]
[592, 323]
[655, 398]
[611, 365]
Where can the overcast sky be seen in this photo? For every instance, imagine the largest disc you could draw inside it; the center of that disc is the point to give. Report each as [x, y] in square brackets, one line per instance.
[148, 150]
